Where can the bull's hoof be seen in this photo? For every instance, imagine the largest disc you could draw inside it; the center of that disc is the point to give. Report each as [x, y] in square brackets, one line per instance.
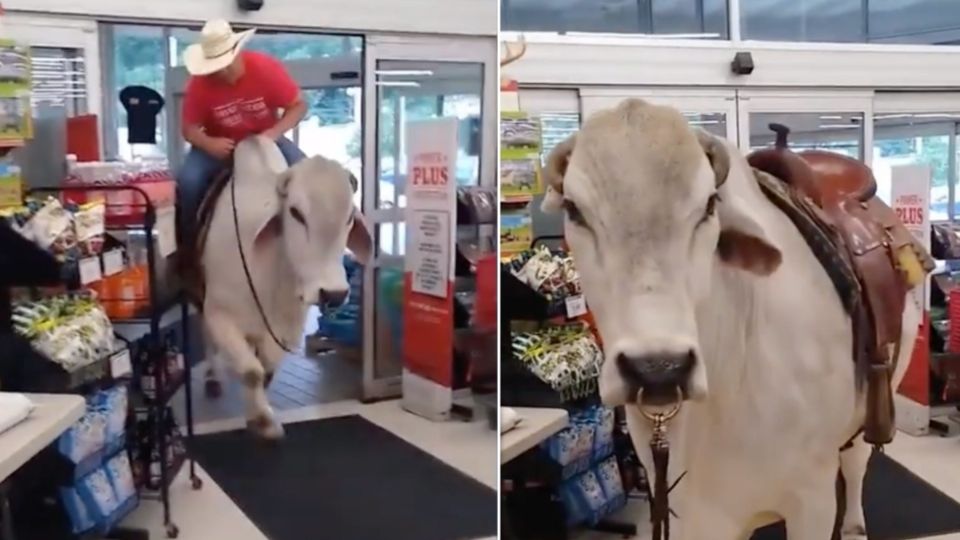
[265, 428]
[212, 388]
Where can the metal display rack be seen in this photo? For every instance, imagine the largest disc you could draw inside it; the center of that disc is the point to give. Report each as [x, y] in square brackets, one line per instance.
[533, 476]
[155, 318]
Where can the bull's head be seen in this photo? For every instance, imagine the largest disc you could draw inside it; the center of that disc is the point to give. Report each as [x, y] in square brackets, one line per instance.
[650, 217]
[317, 221]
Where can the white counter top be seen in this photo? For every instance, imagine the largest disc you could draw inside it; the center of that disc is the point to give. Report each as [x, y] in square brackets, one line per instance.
[53, 415]
[536, 426]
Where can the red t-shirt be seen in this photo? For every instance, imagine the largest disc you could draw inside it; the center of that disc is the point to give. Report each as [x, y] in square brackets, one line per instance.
[245, 108]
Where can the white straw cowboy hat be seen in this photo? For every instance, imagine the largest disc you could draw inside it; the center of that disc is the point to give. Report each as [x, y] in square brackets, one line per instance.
[218, 46]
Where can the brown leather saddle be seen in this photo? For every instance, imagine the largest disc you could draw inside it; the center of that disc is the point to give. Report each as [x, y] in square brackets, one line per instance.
[189, 256]
[872, 259]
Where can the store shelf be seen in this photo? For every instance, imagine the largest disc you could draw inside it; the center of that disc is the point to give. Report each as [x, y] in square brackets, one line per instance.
[112, 368]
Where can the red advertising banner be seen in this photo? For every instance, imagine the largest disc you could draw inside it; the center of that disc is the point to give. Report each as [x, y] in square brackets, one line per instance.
[431, 222]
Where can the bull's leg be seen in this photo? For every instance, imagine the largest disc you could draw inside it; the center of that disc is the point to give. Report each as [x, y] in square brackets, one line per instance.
[811, 511]
[212, 385]
[853, 466]
[231, 341]
[270, 355]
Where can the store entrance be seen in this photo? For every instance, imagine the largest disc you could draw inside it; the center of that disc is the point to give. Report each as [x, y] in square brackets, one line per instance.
[392, 82]
[409, 80]
[329, 366]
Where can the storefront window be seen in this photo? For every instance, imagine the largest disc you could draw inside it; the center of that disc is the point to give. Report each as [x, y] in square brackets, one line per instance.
[935, 22]
[696, 18]
[138, 59]
[916, 139]
[841, 133]
[283, 46]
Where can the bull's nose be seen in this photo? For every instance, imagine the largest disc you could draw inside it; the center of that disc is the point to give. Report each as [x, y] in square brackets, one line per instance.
[334, 298]
[659, 375]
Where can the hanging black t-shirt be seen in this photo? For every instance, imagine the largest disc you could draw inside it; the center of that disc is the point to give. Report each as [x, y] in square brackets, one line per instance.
[143, 105]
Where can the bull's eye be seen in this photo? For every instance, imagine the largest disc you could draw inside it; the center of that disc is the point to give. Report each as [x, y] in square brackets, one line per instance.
[298, 215]
[573, 213]
[711, 208]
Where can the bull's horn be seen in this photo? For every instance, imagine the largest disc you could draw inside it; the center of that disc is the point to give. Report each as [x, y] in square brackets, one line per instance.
[513, 56]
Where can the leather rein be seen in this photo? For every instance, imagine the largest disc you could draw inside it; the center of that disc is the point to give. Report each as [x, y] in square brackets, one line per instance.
[246, 270]
[660, 449]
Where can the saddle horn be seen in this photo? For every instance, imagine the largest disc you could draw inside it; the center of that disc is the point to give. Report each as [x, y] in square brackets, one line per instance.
[782, 132]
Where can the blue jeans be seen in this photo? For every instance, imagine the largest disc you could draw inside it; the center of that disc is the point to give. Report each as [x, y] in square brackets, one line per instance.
[196, 174]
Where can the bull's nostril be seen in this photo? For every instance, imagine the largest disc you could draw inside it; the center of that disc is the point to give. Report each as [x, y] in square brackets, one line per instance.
[662, 370]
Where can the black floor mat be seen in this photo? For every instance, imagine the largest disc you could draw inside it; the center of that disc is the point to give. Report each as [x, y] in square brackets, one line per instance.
[898, 506]
[346, 478]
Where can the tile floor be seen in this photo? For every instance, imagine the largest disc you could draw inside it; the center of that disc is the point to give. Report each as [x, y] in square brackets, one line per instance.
[301, 382]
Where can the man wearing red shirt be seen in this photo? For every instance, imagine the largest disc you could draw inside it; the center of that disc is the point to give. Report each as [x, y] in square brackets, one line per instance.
[231, 95]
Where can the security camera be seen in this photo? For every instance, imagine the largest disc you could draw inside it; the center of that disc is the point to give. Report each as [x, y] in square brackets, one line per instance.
[742, 64]
[250, 5]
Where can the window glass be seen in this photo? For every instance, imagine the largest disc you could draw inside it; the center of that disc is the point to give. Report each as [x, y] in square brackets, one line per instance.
[283, 46]
[852, 21]
[834, 132]
[59, 79]
[810, 20]
[138, 59]
[701, 18]
[916, 139]
[554, 129]
[915, 21]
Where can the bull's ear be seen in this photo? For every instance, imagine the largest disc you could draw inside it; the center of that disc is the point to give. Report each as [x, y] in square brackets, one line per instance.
[743, 243]
[272, 226]
[553, 173]
[359, 241]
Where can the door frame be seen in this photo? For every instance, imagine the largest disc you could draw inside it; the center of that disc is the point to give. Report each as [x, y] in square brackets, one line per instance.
[380, 47]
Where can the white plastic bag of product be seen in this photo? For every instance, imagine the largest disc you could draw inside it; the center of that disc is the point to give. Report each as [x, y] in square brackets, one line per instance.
[14, 408]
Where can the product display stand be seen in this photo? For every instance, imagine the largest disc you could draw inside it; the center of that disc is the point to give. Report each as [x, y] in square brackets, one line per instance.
[43, 271]
[533, 477]
[160, 304]
[474, 341]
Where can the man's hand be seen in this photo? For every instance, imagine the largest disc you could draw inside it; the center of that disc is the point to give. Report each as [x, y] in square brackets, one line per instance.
[272, 134]
[220, 148]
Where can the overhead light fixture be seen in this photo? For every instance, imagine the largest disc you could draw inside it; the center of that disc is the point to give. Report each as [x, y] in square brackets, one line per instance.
[405, 72]
[837, 126]
[408, 84]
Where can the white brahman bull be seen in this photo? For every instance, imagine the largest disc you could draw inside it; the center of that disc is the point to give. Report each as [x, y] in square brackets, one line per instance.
[715, 292]
[295, 225]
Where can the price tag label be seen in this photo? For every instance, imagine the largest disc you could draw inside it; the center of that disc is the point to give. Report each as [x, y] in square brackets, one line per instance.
[112, 262]
[576, 306]
[120, 365]
[166, 232]
[90, 271]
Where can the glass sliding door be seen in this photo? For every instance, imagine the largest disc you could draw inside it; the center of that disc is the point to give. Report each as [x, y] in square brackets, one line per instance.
[408, 80]
[834, 132]
[831, 121]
